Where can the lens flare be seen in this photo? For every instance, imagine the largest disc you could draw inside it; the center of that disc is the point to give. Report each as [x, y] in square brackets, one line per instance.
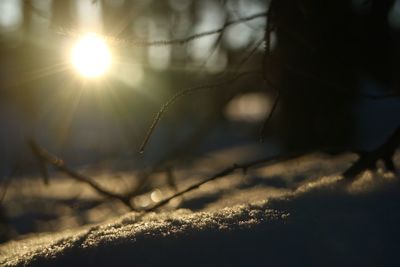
[90, 56]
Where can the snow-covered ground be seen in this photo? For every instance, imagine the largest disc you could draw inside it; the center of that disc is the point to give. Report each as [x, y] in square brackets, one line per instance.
[294, 213]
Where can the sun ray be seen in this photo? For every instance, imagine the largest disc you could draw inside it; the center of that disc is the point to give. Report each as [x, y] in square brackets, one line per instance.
[58, 114]
[47, 71]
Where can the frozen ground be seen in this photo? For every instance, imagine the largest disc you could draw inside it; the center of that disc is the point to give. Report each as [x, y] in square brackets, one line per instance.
[293, 213]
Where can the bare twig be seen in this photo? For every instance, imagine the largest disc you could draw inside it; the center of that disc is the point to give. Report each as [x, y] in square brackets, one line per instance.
[178, 41]
[235, 10]
[212, 51]
[199, 88]
[267, 55]
[211, 119]
[247, 56]
[267, 37]
[244, 167]
[264, 162]
[60, 165]
[269, 117]
[190, 38]
[252, 48]
[182, 93]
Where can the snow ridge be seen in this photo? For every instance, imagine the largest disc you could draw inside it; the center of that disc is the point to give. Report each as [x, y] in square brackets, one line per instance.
[131, 229]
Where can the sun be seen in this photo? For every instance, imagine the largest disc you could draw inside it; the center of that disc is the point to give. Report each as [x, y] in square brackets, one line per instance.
[91, 56]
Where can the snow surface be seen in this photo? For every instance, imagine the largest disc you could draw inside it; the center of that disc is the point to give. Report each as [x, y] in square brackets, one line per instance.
[320, 222]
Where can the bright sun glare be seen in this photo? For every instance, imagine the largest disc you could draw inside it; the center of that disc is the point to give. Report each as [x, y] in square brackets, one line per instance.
[91, 56]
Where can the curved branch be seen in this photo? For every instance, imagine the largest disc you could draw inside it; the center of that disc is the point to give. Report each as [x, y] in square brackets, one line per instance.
[182, 93]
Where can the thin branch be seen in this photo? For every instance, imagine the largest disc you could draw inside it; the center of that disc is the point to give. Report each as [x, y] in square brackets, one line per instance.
[251, 51]
[267, 37]
[269, 117]
[257, 163]
[182, 93]
[178, 41]
[198, 88]
[244, 167]
[182, 41]
[267, 55]
[247, 55]
[60, 165]
[212, 51]
[235, 10]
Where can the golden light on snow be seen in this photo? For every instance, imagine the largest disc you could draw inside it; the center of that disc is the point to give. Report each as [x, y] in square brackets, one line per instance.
[91, 56]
